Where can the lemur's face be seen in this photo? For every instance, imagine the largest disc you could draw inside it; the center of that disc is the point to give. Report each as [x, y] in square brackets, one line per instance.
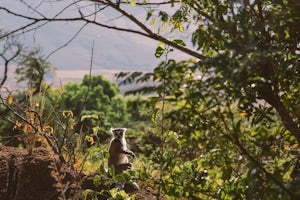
[118, 133]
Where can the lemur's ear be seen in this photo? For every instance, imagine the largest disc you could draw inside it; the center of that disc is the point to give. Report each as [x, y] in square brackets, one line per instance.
[112, 130]
[124, 129]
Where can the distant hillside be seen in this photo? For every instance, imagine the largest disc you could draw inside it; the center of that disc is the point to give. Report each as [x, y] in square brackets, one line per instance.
[60, 77]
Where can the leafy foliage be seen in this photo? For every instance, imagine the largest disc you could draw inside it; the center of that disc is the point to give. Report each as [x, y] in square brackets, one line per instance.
[233, 114]
[213, 148]
[95, 93]
[32, 69]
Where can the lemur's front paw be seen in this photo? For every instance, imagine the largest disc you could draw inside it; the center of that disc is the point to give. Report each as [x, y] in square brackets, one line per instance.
[132, 154]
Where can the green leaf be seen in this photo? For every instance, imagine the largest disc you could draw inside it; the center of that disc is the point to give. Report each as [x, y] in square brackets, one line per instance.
[179, 42]
[84, 117]
[94, 116]
[67, 114]
[153, 116]
[163, 16]
[114, 192]
[123, 194]
[154, 101]
[95, 130]
[176, 169]
[101, 170]
[159, 52]
[106, 154]
[94, 197]
[119, 178]
[96, 180]
[122, 177]
[149, 14]
[111, 171]
[85, 193]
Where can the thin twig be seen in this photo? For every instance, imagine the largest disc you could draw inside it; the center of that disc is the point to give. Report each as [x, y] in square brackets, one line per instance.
[163, 136]
[6, 63]
[68, 42]
[89, 83]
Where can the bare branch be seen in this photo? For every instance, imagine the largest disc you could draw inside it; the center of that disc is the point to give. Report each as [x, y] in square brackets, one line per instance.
[145, 31]
[8, 60]
[17, 30]
[152, 3]
[68, 42]
[33, 9]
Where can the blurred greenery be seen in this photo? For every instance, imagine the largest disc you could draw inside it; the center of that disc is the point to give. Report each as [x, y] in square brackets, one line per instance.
[224, 126]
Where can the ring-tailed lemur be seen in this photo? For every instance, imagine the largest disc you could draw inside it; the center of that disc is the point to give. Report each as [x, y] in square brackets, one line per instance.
[118, 151]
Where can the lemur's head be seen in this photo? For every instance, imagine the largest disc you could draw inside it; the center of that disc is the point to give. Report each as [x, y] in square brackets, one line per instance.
[118, 133]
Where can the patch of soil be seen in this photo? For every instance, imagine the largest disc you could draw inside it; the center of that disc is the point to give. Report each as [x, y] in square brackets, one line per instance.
[41, 175]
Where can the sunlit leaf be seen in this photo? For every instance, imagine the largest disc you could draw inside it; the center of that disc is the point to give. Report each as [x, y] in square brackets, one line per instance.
[192, 61]
[39, 139]
[85, 193]
[132, 3]
[48, 129]
[10, 99]
[123, 194]
[37, 104]
[71, 126]
[25, 128]
[90, 139]
[153, 116]
[153, 21]
[176, 169]
[67, 114]
[94, 116]
[242, 114]
[17, 125]
[95, 130]
[181, 29]
[114, 192]
[84, 117]
[77, 165]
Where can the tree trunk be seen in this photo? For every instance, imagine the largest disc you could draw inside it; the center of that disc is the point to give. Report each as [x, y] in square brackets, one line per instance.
[288, 121]
[273, 99]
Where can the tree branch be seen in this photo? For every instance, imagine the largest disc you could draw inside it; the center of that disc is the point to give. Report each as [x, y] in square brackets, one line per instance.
[146, 32]
[150, 34]
[7, 61]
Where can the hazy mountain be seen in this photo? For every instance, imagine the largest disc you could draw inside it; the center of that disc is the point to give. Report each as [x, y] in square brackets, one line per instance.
[113, 51]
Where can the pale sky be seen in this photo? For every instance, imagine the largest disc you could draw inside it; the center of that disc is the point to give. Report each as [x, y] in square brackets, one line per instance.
[113, 51]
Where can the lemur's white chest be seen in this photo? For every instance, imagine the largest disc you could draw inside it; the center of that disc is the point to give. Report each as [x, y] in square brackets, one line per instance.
[124, 144]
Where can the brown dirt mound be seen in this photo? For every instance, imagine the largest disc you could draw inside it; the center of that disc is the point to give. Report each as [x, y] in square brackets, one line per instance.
[36, 176]
[42, 176]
